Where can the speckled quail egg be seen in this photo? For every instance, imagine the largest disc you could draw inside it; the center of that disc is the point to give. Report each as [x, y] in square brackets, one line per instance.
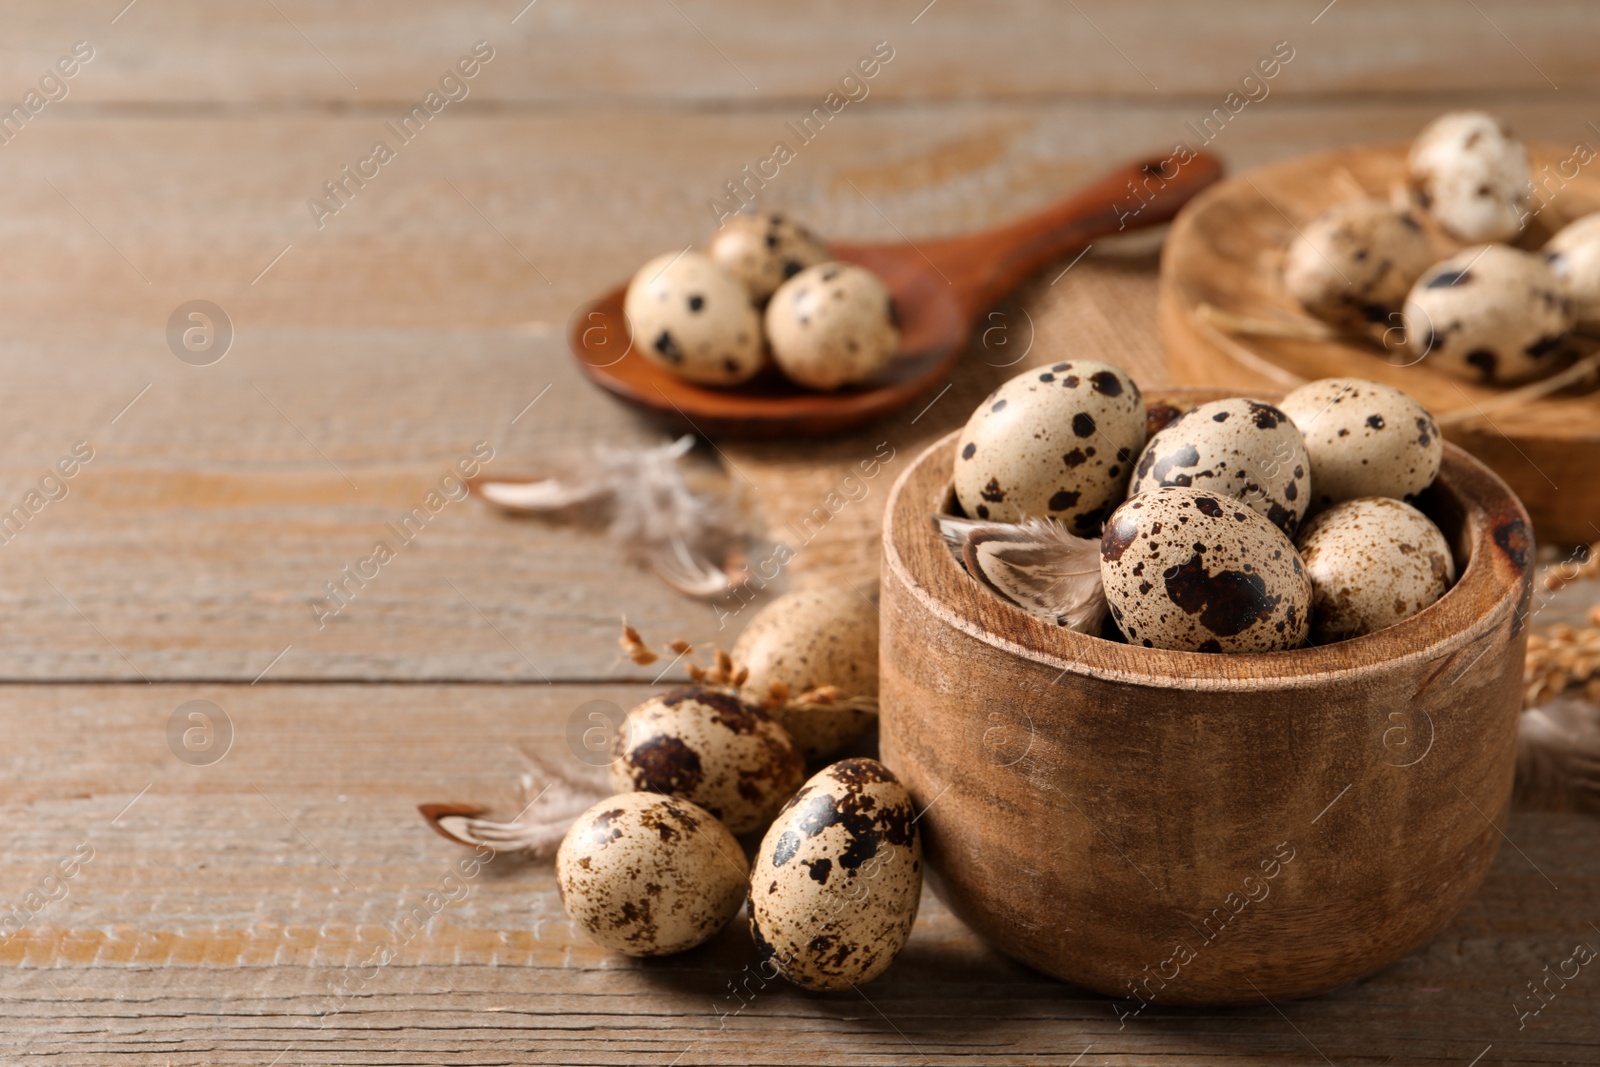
[1493, 314]
[1574, 256]
[1055, 442]
[708, 746]
[1373, 561]
[1242, 448]
[832, 324]
[649, 875]
[764, 251]
[809, 639]
[835, 885]
[1364, 439]
[1470, 172]
[695, 319]
[1200, 572]
[1354, 263]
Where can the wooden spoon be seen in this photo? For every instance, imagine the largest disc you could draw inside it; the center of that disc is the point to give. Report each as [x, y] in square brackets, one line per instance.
[940, 288]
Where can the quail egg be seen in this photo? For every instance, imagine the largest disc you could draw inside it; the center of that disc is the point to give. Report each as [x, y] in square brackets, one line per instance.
[764, 251]
[811, 639]
[832, 324]
[1364, 439]
[1353, 264]
[710, 747]
[1056, 442]
[694, 319]
[1201, 572]
[649, 875]
[1470, 172]
[835, 885]
[1242, 448]
[1574, 255]
[1373, 561]
[1493, 314]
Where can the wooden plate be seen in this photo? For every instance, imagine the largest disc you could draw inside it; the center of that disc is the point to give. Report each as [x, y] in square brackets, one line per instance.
[1226, 248]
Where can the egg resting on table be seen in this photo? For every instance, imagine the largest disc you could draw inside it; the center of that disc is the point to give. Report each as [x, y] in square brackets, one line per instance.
[1470, 172]
[708, 746]
[832, 324]
[808, 639]
[1245, 449]
[1353, 264]
[1365, 439]
[1493, 314]
[650, 875]
[693, 318]
[1056, 442]
[1197, 571]
[835, 886]
[1373, 561]
[764, 251]
[1574, 256]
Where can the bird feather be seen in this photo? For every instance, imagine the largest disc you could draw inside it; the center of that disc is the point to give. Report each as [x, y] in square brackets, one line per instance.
[1558, 756]
[540, 823]
[539, 495]
[690, 535]
[1035, 564]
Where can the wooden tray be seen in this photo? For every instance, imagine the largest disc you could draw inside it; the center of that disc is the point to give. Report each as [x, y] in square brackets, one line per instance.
[1225, 250]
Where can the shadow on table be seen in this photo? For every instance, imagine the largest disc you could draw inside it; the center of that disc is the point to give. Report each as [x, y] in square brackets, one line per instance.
[1458, 997]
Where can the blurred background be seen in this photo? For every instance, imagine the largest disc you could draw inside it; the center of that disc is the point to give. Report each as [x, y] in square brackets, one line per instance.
[374, 344]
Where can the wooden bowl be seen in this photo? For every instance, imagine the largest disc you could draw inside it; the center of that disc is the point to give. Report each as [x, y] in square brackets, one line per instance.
[1226, 250]
[1184, 828]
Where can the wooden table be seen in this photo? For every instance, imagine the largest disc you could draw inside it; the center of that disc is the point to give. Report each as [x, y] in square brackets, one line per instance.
[163, 911]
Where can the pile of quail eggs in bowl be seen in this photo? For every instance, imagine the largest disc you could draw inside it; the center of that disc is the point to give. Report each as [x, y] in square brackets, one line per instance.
[1236, 526]
[763, 288]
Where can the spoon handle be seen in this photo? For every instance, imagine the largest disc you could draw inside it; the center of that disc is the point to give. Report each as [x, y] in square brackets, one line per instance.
[984, 267]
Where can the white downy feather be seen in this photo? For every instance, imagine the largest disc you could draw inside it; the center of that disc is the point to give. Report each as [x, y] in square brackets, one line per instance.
[954, 530]
[538, 497]
[685, 536]
[1558, 756]
[687, 571]
[1034, 564]
[552, 797]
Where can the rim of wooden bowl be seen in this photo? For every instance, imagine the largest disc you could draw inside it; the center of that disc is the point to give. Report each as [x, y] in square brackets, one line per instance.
[1496, 538]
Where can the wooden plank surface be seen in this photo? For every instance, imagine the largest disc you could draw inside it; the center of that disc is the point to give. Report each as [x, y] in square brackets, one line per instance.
[227, 915]
[298, 52]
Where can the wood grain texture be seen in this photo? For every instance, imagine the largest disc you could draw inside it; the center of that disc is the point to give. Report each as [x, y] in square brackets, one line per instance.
[411, 326]
[316, 54]
[214, 923]
[461, 230]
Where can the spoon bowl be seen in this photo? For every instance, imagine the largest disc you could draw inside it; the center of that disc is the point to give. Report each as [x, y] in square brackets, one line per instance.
[940, 287]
